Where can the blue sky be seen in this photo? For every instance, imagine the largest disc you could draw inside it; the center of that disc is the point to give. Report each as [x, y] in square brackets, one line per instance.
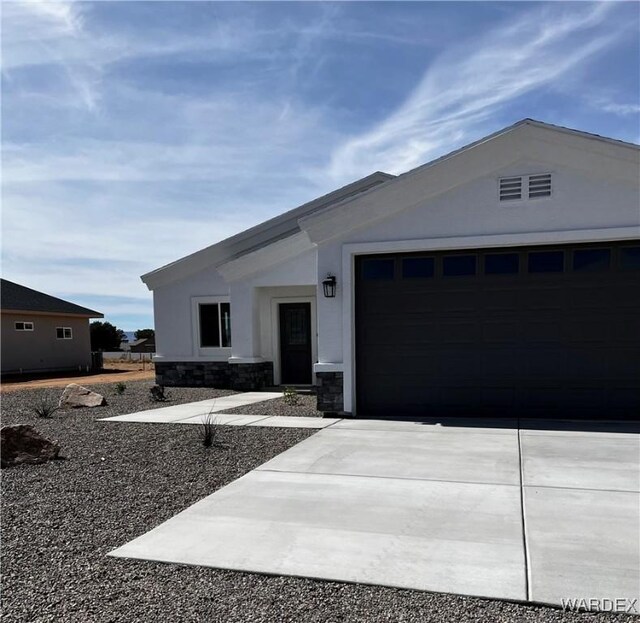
[135, 133]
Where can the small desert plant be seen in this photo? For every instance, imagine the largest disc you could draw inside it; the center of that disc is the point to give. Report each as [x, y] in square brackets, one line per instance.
[291, 396]
[121, 388]
[158, 394]
[207, 429]
[45, 408]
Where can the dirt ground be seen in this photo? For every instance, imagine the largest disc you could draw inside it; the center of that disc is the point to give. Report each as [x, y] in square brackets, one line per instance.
[113, 372]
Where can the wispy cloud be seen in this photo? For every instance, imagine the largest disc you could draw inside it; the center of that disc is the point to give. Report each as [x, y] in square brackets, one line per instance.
[617, 108]
[135, 133]
[469, 84]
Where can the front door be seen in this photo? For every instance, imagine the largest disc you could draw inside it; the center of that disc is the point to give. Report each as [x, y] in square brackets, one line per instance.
[295, 343]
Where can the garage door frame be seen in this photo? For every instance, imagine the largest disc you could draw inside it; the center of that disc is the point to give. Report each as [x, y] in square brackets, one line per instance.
[351, 250]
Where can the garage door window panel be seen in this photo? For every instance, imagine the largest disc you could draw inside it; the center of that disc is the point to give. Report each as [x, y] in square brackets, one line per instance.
[502, 264]
[591, 260]
[459, 266]
[378, 269]
[418, 267]
[546, 262]
[630, 258]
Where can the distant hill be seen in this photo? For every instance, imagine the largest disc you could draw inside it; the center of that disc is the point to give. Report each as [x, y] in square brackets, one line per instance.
[130, 335]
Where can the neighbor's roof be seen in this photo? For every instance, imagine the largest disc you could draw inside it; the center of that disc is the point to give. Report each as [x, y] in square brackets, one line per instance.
[262, 235]
[143, 340]
[13, 296]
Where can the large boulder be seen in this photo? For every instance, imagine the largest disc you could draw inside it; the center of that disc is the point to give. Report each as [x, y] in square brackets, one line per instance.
[75, 396]
[24, 444]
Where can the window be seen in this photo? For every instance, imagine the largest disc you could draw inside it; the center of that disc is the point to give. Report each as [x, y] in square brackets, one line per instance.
[374, 269]
[546, 261]
[630, 258]
[64, 333]
[24, 326]
[215, 325]
[590, 260]
[510, 188]
[459, 265]
[501, 264]
[418, 267]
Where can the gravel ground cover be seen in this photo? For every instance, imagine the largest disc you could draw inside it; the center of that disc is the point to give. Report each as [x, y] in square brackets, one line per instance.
[119, 480]
[305, 407]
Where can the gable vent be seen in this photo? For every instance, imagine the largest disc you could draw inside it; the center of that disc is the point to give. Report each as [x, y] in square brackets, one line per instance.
[510, 188]
[540, 185]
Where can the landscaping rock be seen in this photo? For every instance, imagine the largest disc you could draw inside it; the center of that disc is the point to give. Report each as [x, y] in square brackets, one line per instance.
[22, 443]
[76, 396]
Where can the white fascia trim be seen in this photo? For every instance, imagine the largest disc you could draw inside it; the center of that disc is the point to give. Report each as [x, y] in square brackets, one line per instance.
[328, 367]
[349, 251]
[246, 359]
[266, 258]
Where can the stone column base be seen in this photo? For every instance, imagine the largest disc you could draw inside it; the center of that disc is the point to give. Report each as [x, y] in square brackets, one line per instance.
[218, 374]
[330, 392]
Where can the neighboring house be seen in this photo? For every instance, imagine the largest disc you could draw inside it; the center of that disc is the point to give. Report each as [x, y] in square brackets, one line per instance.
[42, 333]
[143, 345]
[501, 278]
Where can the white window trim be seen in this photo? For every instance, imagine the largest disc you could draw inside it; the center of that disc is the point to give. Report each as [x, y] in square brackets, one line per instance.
[24, 324]
[215, 353]
[64, 330]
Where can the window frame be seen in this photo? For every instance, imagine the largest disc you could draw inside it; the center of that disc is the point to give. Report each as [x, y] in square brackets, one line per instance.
[64, 333]
[24, 324]
[220, 353]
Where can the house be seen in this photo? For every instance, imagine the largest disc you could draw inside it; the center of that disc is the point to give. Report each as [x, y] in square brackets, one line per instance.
[502, 278]
[143, 345]
[42, 333]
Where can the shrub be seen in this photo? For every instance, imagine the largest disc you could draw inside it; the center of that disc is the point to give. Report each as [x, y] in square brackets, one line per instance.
[121, 388]
[291, 396]
[158, 394]
[45, 408]
[207, 429]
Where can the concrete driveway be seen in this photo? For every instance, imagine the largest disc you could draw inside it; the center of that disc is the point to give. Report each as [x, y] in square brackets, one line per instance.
[543, 512]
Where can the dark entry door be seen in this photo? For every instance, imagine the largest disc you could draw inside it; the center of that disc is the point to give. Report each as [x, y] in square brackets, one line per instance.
[295, 343]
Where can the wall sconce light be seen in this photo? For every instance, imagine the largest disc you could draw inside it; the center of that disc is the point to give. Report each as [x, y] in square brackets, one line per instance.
[329, 286]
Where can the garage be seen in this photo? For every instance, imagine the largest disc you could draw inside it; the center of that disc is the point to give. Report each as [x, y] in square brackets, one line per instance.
[528, 331]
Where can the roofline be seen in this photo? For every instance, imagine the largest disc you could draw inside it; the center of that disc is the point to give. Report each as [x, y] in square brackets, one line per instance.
[506, 130]
[9, 310]
[374, 179]
[591, 135]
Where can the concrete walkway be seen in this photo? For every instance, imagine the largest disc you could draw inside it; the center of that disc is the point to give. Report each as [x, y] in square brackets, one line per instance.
[195, 412]
[495, 510]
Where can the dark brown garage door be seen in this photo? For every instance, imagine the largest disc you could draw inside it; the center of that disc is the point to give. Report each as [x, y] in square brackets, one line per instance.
[522, 331]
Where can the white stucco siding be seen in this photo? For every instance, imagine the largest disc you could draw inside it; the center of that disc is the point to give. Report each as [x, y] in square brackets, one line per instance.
[252, 295]
[581, 208]
[578, 202]
[251, 334]
[172, 308]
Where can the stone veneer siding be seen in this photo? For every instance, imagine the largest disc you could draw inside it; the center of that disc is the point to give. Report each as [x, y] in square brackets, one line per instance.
[218, 374]
[330, 392]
